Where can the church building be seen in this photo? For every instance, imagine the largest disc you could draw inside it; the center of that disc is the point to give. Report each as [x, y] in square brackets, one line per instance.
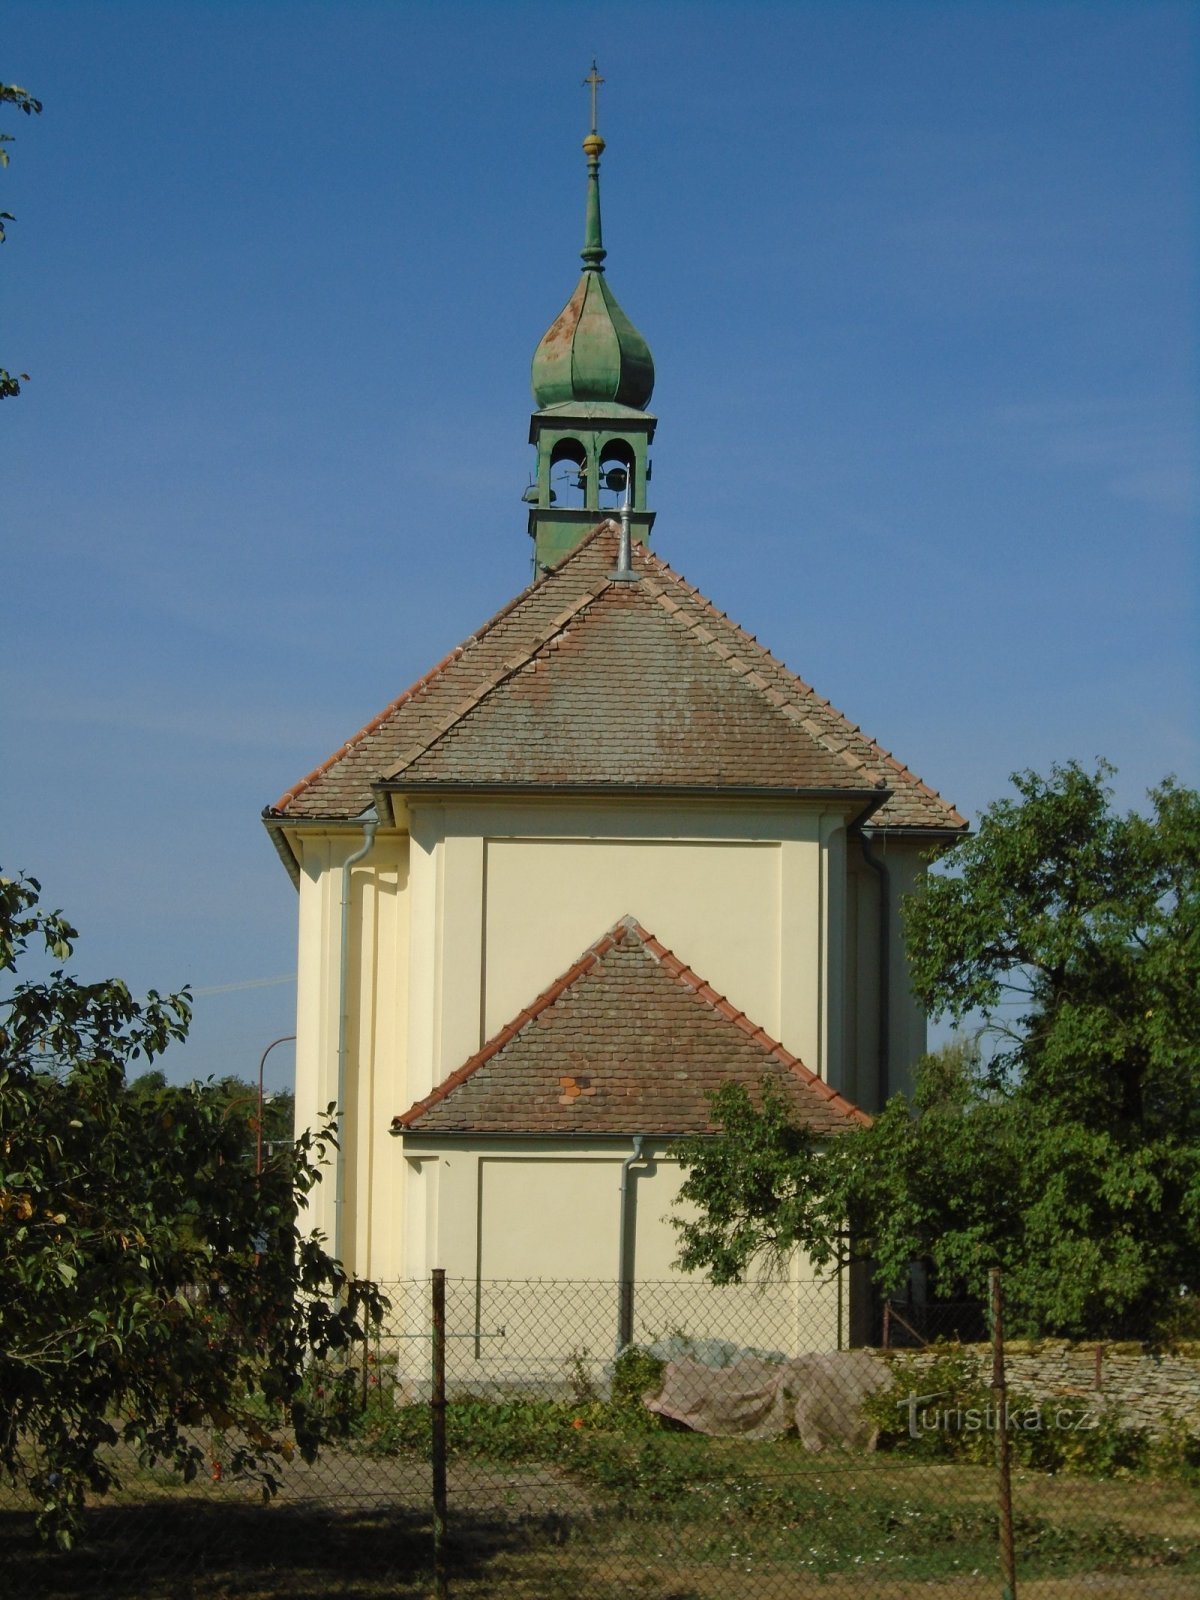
[608, 853]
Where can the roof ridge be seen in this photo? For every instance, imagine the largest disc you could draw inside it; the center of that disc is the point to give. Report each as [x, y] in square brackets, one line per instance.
[436, 671]
[605, 525]
[508, 668]
[698, 988]
[541, 642]
[704, 992]
[842, 722]
[536, 623]
[594, 952]
[732, 662]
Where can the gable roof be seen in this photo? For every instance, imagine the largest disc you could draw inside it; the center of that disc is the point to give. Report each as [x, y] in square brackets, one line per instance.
[628, 1040]
[580, 680]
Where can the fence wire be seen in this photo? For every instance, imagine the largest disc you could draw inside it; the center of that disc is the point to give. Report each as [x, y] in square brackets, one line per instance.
[671, 1441]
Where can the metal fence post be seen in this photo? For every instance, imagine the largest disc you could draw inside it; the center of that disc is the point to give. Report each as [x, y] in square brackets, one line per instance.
[437, 1454]
[1008, 1560]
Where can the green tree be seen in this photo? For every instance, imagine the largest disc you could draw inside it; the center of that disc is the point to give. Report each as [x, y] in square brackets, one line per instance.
[236, 1100]
[11, 95]
[150, 1284]
[1071, 1158]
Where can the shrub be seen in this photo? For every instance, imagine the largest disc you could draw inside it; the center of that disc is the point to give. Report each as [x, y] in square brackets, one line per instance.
[951, 1386]
[942, 1409]
[636, 1374]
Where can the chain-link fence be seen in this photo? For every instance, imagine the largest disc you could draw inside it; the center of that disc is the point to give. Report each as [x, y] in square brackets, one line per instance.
[675, 1441]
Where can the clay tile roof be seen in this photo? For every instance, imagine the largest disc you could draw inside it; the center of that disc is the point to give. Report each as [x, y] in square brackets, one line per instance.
[587, 682]
[628, 1040]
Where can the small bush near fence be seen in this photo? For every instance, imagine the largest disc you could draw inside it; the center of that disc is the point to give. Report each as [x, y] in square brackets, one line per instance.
[560, 1479]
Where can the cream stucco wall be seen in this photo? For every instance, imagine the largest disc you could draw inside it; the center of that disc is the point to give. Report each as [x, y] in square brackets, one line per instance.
[511, 1210]
[509, 895]
[462, 916]
[376, 1007]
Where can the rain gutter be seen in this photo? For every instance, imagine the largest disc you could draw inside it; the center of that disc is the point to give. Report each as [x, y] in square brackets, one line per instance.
[274, 827]
[278, 826]
[572, 1135]
[871, 797]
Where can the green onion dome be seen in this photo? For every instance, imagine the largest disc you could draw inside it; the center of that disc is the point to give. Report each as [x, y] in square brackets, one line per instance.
[592, 351]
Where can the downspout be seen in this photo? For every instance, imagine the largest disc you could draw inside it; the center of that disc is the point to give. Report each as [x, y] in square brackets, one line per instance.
[879, 867]
[624, 1281]
[339, 1183]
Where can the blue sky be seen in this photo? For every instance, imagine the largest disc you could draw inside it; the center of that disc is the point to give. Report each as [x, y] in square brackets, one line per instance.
[919, 282]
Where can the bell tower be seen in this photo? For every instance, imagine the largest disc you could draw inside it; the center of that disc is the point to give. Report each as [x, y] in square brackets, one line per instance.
[592, 377]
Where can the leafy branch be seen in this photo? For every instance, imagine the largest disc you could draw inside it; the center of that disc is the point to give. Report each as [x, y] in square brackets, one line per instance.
[1072, 1157]
[11, 94]
[152, 1282]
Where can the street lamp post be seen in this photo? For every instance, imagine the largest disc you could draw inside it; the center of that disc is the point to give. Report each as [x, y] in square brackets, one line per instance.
[283, 1039]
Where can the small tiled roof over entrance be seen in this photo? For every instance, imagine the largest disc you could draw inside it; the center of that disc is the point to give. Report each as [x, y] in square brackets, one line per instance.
[583, 681]
[629, 1040]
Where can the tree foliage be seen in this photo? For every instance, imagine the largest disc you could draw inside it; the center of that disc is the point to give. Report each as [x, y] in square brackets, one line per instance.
[236, 1100]
[11, 94]
[151, 1286]
[1071, 1157]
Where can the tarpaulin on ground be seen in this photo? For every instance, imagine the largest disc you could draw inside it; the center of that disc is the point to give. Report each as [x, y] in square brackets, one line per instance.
[819, 1395]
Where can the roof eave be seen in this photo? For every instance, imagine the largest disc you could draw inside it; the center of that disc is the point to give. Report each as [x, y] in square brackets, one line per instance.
[399, 1130]
[922, 830]
[392, 794]
[279, 825]
[870, 797]
[938, 840]
[275, 830]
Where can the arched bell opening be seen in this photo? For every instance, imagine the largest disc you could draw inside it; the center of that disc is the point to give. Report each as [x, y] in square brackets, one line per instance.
[617, 481]
[568, 474]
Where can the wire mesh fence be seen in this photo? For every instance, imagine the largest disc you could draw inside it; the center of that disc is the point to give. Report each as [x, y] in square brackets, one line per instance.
[676, 1441]
[911, 1324]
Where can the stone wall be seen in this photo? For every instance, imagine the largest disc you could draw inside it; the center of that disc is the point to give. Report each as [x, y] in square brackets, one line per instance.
[1147, 1388]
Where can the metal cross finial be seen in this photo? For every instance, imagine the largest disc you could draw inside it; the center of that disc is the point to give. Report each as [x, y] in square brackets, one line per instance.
[594, 80]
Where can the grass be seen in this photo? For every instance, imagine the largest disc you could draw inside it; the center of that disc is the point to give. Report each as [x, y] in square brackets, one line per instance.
[548, 1497]
[871, 1530]
[772, 1508]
